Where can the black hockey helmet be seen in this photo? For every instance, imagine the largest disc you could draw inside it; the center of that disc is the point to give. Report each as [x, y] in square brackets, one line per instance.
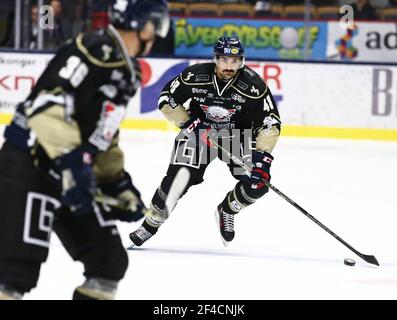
[229, 46]
[134, 14]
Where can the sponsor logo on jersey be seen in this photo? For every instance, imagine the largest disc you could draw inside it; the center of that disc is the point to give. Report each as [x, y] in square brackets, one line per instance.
[202, 77]
[255, 90]
[111, 117]
[202, 100]
[188, 76]
[109, 90]
[218, 114]
[172, 103]
[250, 72]
[242, 85]
[107, 50]
[116, 75]
[220, 126]
[238, 98]
[195, 90]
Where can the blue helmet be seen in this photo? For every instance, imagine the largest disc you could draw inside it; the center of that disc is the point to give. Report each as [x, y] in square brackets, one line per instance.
[229, 46]
[134, 14]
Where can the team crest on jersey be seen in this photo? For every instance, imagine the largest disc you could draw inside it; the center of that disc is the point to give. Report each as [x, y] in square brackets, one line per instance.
[268, 122]
[218, 114]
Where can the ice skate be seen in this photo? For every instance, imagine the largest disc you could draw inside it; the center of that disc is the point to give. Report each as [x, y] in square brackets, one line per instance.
[225, 223]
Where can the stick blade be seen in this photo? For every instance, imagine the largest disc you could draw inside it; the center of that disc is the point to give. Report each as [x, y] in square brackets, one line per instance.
[370, 259]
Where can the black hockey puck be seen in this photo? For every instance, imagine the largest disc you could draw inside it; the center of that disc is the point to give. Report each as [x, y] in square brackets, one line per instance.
[349, 262]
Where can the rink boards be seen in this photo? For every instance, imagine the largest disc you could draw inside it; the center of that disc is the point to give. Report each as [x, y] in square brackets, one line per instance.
[354, 101]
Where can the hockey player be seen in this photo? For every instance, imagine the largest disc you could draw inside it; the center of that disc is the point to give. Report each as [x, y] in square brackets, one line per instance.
[229, 102]
[61, 154]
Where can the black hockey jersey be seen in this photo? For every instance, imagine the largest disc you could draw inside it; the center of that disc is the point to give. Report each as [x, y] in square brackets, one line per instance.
[244, 102]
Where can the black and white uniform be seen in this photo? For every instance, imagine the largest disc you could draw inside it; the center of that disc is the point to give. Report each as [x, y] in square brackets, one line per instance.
[241, 110]
[79, 100]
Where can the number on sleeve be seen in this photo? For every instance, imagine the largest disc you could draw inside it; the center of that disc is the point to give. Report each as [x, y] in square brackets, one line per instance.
[75, 71]
[268, 103]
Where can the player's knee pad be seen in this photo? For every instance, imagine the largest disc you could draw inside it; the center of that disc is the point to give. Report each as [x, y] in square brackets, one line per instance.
[158, 212]
[240, 197]
[96, 289]
[195, 177]
[19, 276]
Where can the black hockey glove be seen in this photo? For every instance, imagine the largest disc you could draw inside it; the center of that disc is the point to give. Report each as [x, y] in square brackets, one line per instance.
[78, 180]
[130, 206]
[261, 162]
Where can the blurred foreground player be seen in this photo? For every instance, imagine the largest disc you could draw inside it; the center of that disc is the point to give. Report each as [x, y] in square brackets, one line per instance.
[61, 149]
[230, 103]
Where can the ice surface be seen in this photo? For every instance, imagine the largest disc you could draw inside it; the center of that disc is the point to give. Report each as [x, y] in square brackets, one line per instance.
[278, 253]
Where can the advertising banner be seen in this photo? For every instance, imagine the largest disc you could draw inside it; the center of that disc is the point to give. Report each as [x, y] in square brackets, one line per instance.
[20, 71]
[18, 74]
[307, 94]
[262, 39]
[365, 41]
[333, 95]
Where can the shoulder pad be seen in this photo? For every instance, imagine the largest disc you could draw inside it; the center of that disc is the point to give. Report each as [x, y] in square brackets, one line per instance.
[99, 48]
[198, 74]
[250, 84]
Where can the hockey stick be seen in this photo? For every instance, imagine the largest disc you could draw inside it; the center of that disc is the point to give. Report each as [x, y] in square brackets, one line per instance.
[367, 258]
[109, 201]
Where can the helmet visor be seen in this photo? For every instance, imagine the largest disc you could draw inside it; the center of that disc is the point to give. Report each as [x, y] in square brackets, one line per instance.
[162, 22]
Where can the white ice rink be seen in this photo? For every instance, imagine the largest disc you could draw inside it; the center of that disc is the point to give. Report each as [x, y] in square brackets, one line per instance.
[278, 253]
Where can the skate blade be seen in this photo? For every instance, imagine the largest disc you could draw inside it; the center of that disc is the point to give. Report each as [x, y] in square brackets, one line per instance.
[131, 247]
[217, 219]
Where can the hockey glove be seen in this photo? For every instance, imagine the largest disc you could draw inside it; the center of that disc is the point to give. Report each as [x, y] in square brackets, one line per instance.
[261, 162]
[130, 206]
[195, 127]
[78, 180]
